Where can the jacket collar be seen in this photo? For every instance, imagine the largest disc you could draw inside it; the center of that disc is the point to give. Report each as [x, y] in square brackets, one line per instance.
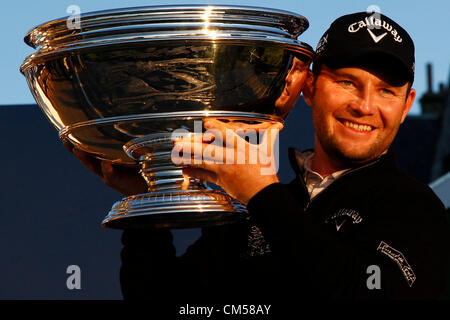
[387, 161]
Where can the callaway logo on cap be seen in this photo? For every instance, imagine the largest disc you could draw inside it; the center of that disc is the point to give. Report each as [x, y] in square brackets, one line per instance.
[375, 22]
[355, 35]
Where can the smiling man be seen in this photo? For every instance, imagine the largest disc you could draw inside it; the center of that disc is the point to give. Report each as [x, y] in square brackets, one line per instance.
[351, 211]
[356, 113]
[351, 225]
[361, 89]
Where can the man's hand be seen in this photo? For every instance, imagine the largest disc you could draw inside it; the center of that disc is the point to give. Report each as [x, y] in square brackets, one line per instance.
[223, 157]
[125, 180]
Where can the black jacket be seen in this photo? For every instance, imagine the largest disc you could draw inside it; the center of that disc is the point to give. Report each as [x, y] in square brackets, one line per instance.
[374, 233]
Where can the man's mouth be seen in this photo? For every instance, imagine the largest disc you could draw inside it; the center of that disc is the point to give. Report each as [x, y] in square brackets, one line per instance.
[357, 126]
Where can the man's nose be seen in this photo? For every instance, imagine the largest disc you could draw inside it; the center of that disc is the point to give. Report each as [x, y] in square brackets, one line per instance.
[288, 79]
[364, 103]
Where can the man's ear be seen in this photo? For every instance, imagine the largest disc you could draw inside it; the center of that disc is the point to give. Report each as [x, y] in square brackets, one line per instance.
[308, 88]
[408, 103]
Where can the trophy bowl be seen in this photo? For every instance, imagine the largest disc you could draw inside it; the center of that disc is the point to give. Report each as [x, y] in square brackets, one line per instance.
[121, 82]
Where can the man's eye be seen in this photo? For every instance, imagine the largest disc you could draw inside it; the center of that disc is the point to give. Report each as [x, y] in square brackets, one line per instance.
[387, 91]
[298, 67]
[346, 83]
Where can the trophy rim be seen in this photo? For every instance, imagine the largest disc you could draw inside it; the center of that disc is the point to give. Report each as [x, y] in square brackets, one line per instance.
[168, 23]
[189, 115]
[93, 16]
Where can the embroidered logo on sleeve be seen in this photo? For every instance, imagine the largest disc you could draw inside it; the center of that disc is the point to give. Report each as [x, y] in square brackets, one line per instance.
[400, 260]
[257, 244]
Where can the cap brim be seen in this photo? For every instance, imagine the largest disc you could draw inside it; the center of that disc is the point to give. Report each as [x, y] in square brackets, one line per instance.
[380, 61]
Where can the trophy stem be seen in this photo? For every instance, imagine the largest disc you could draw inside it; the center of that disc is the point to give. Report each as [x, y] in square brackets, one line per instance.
[172, 201]
[161, 174]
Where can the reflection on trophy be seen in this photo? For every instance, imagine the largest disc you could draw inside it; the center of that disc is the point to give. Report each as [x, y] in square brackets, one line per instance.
[121, 85]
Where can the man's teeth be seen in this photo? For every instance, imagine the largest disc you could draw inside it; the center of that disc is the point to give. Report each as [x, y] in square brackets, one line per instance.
[359, 127]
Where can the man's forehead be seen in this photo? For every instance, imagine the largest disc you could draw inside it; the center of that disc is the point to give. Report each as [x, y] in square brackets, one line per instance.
[300, 63]
[387, 70]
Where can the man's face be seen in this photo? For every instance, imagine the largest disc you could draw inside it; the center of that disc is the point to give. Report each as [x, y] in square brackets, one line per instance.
[293, 87]
[356, 114]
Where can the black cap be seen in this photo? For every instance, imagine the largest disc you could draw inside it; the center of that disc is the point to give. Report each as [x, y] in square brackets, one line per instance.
[366, 34]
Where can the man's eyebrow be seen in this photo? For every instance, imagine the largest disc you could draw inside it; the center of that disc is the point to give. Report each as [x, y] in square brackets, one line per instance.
[345, 74]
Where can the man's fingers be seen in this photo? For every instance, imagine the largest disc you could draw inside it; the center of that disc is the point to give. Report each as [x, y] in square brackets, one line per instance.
[107, 168]
[194, 152]
[211, 123]
[201, 174]
[126, 180]
[92, 163]
[68, 145]
[110, 175]
[197, 153]
[227, 134]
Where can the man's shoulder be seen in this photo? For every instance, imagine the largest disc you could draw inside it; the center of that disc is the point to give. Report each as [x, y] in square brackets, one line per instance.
[408, 208]
[386, 180]
[398, 186]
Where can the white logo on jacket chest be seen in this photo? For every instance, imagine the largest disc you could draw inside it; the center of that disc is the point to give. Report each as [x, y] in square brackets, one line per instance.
[343, 215]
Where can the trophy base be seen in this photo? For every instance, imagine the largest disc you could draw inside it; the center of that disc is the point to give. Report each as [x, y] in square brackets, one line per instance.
[175, 209]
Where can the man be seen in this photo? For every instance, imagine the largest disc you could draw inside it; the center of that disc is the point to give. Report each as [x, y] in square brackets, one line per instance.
[350, 226]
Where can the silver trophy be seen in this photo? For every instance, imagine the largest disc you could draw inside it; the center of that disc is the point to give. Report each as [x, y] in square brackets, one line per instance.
[120, 84]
